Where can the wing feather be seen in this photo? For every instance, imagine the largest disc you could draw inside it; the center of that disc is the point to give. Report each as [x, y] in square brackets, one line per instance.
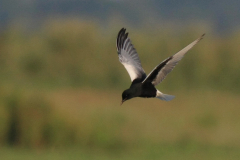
[159, 73]
[128, 56]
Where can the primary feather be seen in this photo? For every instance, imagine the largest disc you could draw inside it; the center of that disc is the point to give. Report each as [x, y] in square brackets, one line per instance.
[128, 56]
[159, 73]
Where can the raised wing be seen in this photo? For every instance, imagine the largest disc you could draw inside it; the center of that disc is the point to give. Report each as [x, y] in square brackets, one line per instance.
[128, 57]
[159, 73]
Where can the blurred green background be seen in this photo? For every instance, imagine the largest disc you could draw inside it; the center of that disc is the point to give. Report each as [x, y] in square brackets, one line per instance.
[61, 83]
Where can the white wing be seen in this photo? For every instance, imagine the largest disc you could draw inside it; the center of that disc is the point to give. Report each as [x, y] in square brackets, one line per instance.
[128, 56]
[158, 74]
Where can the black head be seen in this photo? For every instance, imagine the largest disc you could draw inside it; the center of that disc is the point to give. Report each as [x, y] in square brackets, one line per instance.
[126, 95]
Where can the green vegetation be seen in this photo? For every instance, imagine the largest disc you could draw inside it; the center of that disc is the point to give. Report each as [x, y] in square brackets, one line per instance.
[61, 89]
[79, 54]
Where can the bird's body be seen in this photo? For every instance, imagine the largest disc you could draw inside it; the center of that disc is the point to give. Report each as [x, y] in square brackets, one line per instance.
[145, 90]
[142, 85]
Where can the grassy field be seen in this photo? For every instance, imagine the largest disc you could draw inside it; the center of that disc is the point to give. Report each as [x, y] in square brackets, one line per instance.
[156, 152]
[203, 116]
[196, 125]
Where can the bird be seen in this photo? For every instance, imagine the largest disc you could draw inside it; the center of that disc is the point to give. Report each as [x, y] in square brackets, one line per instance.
[144, 85]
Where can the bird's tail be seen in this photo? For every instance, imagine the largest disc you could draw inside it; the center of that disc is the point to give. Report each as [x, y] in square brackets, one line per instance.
[164, 97]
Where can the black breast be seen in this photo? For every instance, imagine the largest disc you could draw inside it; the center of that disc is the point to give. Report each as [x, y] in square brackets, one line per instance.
[148, 90]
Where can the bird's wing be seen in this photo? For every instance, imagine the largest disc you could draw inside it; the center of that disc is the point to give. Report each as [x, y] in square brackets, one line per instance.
[158, 74]
[128, 56]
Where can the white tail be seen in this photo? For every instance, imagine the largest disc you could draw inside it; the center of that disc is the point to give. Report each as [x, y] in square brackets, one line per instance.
[164, 97]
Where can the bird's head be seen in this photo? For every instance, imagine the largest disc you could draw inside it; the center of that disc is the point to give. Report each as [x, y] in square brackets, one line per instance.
[126, 95]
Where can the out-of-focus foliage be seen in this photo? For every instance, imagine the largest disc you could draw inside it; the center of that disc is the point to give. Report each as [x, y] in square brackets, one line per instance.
[75, 53]
[93, 123]
[61, 87]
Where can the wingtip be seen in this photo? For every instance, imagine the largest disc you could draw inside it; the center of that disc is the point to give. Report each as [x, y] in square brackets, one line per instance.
[123, 30]
[122, 36]
[202, 36]
[120, 33]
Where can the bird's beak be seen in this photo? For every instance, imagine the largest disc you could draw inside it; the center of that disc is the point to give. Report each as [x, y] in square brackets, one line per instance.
[123, 101]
